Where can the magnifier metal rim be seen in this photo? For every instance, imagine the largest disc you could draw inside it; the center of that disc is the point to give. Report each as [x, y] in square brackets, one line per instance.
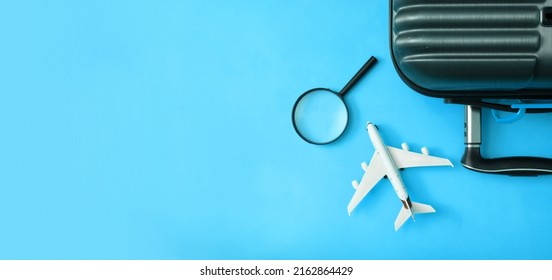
[297, 129]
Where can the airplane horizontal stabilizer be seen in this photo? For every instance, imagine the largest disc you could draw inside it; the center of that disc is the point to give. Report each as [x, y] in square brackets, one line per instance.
[404, 214]
[420, 208]
[417, 208]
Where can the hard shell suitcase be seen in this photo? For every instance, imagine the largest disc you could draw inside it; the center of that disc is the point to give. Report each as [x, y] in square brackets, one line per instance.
[473, 52]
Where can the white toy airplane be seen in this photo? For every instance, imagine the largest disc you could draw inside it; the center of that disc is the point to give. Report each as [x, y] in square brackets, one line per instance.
[387, 161]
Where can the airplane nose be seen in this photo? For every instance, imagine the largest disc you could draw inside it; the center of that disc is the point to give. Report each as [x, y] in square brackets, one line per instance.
[368, 124]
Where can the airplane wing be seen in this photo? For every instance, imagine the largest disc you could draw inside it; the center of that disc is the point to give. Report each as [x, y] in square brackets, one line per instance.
[371, 177]
[406, 159]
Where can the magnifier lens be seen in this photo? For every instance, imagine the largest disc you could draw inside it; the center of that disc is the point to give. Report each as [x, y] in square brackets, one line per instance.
[320, 116]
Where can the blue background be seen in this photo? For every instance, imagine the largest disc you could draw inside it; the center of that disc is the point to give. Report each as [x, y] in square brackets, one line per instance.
[162, 130]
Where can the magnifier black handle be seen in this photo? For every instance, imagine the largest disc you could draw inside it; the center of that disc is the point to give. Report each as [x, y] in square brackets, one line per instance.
[358, 75]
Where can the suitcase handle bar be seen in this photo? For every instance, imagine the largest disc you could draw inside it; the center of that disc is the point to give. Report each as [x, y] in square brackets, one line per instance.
[513, 166]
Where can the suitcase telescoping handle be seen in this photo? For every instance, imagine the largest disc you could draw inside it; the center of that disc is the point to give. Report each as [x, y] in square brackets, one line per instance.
[514, 166]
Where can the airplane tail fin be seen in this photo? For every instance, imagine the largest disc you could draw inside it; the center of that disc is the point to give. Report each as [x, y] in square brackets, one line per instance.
[417, 208]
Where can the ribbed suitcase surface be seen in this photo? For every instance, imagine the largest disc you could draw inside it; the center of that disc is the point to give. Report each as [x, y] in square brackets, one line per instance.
[471, 48]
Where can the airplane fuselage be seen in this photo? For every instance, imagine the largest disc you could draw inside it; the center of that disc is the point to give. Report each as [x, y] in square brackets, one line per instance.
[393, 173]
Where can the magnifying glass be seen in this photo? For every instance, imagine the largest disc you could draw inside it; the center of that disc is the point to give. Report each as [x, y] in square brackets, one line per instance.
[320, 115]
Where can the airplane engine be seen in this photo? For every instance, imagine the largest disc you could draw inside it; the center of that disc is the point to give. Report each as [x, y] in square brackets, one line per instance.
[404, 146]
[355, 184]
[364, 166]
[425, 151]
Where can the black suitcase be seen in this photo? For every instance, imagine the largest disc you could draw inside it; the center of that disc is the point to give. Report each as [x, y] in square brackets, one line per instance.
[472, 52]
